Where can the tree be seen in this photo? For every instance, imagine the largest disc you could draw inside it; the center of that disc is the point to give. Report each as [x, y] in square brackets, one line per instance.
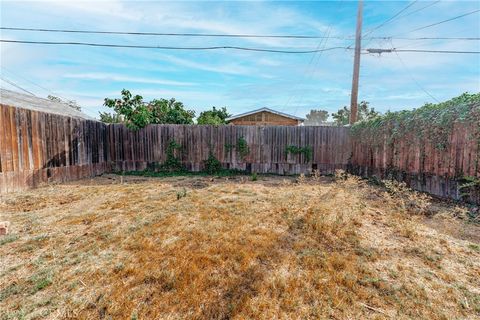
[135, 112]
[214, 116]
[170, 111]
[342, 116]
[71, 103]
[107, 117]
[316, 117]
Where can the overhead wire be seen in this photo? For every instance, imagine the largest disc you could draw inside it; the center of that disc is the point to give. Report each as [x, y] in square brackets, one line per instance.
[412, 77]
[16, 86]
[441, 22]
[164, 33]
[307, 70]
[65, 100]
[390, 19]
[168, 47]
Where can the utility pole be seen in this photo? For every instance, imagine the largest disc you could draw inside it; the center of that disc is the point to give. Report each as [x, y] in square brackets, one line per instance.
[356, 65]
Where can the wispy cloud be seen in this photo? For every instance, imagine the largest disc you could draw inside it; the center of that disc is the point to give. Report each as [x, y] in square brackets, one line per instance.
[125, 79]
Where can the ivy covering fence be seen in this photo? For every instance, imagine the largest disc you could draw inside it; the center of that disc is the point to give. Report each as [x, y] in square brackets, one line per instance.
[435, 148]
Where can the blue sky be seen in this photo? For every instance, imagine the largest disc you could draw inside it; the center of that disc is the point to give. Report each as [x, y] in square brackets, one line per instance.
[237, 79]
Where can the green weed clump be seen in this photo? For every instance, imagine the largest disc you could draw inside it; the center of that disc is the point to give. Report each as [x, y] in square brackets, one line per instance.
[212, 165]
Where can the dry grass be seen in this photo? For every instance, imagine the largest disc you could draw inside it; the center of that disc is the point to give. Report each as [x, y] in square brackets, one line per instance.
[194, 248]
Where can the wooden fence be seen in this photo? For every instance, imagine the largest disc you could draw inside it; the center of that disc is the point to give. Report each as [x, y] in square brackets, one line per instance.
[267, 147]
[37, 148]
[423, 165]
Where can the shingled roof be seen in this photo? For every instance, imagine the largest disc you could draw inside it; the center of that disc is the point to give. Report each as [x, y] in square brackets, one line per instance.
[25, 101]
[264, 110]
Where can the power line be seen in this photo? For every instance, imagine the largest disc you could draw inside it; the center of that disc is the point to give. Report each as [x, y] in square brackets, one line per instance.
[413, 78]
[443, 21]
[169, 48]
[419, 9]
[215, 47]
[35, 84]
[310, 71]
[233, 35]
[165, 34]
[425, 38]
[435, 51]
[390, 19]
[16, 86]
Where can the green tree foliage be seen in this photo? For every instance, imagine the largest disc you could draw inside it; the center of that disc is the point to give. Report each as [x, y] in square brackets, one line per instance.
[170, 111]
[342, 116]
[316, 117]
[71, 103]
[214, 116]
[107, 117]
[135, 112]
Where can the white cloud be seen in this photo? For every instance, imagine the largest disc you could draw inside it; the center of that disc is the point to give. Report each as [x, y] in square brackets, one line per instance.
[126, 79]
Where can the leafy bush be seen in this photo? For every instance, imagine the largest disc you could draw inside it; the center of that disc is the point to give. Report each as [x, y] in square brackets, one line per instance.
[212, 165]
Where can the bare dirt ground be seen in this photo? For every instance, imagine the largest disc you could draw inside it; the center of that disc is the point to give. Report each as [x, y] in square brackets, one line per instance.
[229, 248]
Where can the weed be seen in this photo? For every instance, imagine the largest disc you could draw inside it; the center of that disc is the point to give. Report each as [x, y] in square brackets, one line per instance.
[406, 199]
[212, 165]
[134, 316]
[254, 177]
[474, 247]
[10, 290]
[41, 280]
[301, 179]
[8, 238]
[181, 194]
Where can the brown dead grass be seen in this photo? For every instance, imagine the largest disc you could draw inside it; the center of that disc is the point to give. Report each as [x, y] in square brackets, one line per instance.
[270, 249]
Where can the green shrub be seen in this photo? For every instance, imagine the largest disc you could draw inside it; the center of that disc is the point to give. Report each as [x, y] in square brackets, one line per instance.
[212, 165]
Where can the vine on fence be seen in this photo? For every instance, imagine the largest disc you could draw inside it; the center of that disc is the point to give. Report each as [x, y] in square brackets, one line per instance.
[172, 163]
[306, 151]
[434, 122]
[241, 147]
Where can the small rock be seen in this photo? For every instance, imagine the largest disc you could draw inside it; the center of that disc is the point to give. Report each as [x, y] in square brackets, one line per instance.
[4, 227]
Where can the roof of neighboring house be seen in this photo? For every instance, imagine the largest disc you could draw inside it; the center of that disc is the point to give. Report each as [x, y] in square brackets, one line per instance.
[264, 110]
[25, 101]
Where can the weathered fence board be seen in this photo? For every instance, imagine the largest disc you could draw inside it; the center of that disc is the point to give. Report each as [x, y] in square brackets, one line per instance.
[38, 148]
